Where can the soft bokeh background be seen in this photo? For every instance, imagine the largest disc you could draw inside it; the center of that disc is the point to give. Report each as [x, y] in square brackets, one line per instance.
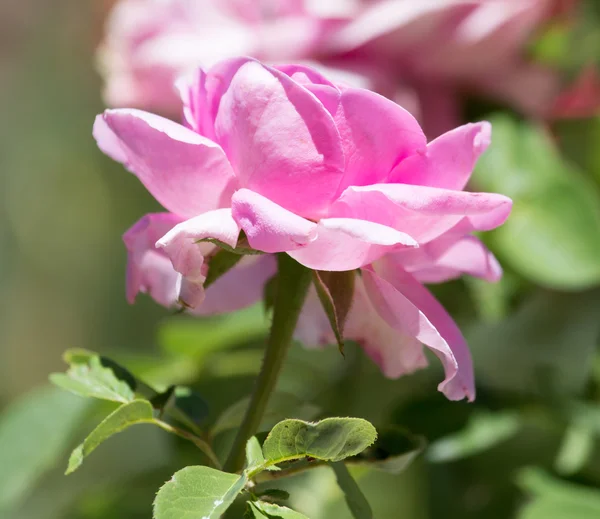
[520, 449]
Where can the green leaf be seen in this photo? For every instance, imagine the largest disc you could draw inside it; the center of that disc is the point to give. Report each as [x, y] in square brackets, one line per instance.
[260, 510]
[221, 263]
[394, 450]
[35, 430]
[335, 291]
[556, 499]
[576, 448]
[197, 493]
[332, 439]
[553, 234]
[280, 406]
[132, 413]
[254, 454]
[88, 376]
[483, 432]
[357, 502]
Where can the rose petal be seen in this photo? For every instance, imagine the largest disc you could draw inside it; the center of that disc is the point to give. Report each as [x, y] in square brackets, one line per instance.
[448, 161]
[347, 244]
[240, 287]
[268, 226]
[181, 245]
[149, 269]
[448, 257]
[187, 173]
[423, 212]
[410, 309]
[395, 353]
[376, 134]
[280, 139]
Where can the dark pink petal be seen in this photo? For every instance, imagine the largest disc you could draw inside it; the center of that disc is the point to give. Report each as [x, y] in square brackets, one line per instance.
[410, 309]
[448, 161]
[280, 139]
[347, 244]
[423, 212]
[268, 226]
[376, 134]
[149, 270]
[187, 173]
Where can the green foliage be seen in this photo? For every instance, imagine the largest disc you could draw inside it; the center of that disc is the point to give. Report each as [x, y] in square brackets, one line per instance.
[126, 415]
[196, 339]
[89, 377]
[262, 510]
[357, 502]
[545, 348]
[335, 291]
[35, 431]
[483, 432]
[555, 499]
[332, 439]
[197, 493]
[553, 234]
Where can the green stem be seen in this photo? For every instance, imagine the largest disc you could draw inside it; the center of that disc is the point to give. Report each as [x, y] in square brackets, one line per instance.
[293, 282]
[199, 442]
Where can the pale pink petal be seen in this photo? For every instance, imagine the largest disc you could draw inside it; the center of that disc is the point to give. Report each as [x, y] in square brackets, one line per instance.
[242, 286]
[448, 161]
[181, 245]
[148, 268]
[187, 173]
[347, 244]
[280, 139]
[409, 308]
[423, 212]
[268, 226]
[376, 134]
[449, 257]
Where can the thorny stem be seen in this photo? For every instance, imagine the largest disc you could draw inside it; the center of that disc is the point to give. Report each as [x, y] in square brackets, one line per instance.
[292, 286]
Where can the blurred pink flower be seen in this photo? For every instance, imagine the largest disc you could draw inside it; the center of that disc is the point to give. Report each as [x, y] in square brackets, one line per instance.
[582, 98]
[423, 54]
[149, 43]
[339, 178]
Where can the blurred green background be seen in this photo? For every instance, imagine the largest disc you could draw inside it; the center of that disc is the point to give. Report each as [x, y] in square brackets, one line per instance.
[527, 448]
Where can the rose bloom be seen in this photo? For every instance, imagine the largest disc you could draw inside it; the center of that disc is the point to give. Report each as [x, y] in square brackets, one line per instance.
[423, 54]
[339, 178]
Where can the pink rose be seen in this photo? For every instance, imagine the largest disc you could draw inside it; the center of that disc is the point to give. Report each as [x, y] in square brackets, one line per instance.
[339, 178]
[150, 43]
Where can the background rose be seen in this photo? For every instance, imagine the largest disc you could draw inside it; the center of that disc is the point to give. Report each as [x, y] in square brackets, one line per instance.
[425, 55]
